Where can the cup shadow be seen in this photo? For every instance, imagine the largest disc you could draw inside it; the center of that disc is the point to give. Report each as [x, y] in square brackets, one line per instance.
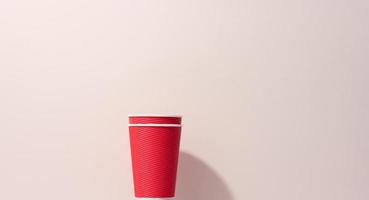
[198, 181]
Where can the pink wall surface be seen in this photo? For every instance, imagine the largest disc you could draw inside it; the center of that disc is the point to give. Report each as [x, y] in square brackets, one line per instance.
[274, 95]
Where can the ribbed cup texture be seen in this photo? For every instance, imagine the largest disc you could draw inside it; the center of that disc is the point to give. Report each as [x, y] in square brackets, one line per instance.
[154, 159]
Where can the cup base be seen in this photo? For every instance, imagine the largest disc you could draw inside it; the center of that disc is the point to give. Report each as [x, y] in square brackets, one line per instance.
[145, 198]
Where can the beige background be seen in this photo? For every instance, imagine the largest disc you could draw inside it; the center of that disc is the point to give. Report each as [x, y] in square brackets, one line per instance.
[274, 95]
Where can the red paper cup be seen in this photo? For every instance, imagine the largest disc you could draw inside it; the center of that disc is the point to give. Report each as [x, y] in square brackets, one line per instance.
[155, 141]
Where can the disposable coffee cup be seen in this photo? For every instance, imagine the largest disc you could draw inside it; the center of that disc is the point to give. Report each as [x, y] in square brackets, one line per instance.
[155, 142]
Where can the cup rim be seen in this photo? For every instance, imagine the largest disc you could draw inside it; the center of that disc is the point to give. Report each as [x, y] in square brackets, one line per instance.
[154, 115]
[156, 125]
